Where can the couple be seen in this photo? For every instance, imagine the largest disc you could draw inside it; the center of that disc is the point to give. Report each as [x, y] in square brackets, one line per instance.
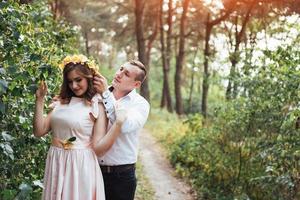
[92, 124]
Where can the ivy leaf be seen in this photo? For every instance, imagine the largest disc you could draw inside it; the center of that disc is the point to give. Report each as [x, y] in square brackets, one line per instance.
[2, 70]
[7, 137]
[3, 86]
[12, 69]
[2, 107]
[7, 150]
[22, 119]
[25, 190]
[3, 5]
[38, 183]
[32, 88]
[35, 57]
[45, 70]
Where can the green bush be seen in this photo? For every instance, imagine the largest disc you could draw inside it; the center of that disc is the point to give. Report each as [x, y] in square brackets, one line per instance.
[31, 44]
[252, 149]
[166, 127]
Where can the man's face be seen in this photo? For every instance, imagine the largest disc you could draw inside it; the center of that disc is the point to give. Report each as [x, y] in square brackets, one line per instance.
[124, 79]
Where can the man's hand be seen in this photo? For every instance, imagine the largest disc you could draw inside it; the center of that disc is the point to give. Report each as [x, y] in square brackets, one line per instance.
[121, 114]
[100, 83]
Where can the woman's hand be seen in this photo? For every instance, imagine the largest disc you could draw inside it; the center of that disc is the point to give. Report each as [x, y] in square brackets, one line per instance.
[121, 114]
[41, 124]
[42, 90]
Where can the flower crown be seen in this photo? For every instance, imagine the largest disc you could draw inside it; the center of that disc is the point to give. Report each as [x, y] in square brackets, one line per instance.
[78, 59]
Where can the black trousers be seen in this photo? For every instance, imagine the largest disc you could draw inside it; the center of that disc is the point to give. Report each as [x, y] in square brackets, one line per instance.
[120, 185]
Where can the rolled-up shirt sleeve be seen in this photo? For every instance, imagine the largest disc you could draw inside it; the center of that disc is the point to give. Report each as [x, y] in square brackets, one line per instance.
[137, 112]
[109, 103]
[136, 117]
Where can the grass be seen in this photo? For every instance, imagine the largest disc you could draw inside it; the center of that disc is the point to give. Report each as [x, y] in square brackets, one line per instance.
[168, 128]
[165, 127]
[144, 190]
[161, 124]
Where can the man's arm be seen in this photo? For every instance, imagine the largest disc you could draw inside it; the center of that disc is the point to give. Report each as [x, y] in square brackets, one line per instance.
[137, 113]
[102, 140]
[137, 117]
[109, 102]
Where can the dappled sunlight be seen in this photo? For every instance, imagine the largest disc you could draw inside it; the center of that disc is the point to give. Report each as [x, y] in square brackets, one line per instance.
[217, 4]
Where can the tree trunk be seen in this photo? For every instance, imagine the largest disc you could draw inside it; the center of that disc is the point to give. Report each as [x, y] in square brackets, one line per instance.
[180, 58]
[139, 12]
[231, 91]
[150, 42]
[54, 8]
[191, 93]
[166, 100]
[168, 54]
[58, 8]
[192, 82]
[205, 84]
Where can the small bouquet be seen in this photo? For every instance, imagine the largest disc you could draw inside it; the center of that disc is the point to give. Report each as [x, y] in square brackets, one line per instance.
[68, 144]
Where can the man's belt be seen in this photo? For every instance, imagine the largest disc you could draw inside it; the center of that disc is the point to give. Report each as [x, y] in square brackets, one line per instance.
[116, 168]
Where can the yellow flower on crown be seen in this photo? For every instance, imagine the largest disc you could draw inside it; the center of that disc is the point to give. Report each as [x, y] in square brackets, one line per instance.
[76, 59]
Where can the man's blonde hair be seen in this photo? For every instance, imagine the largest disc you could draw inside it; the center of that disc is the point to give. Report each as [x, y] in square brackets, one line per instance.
[142, 75]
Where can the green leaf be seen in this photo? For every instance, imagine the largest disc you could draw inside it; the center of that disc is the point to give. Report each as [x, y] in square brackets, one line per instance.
[3, 4]
[2, 71]
[6, 136]
[7, 150]
[71, 139]
[25, 191]
[12, 69]
[35, 57]
[8, 194]
[3, 86]
[2, 107]
[38, 183]
[32, 88]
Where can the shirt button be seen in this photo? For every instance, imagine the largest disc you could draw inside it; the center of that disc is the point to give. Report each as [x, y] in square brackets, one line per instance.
[102, 161]
[106, 111]
[105, 102]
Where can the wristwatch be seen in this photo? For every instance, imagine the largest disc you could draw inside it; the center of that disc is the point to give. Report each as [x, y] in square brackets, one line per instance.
[105, 94]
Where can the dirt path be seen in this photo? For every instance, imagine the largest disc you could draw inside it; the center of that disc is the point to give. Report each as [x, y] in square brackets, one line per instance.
[159, 171]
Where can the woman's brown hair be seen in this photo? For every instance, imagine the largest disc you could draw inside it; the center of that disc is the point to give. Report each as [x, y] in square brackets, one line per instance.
[83, 69]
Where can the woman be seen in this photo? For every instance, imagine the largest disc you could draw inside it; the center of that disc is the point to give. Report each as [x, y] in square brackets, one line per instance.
[78, 125]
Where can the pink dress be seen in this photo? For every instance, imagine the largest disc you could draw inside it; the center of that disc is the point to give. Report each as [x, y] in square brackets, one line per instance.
[73, 174]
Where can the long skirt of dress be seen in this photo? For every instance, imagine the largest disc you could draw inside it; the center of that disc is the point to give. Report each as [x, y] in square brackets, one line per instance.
[72, 174]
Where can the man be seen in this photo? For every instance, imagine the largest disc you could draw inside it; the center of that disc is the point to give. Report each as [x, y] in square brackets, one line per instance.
[118, 164]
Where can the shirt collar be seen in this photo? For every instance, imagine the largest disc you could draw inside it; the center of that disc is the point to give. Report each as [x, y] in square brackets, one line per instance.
[129, 95]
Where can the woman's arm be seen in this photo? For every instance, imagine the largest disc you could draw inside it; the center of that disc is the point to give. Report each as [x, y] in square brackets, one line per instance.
[103, 141]
[100, 126]
[41, 124]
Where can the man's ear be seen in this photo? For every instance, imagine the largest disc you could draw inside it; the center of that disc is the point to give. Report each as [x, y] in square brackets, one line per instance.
[137, 84]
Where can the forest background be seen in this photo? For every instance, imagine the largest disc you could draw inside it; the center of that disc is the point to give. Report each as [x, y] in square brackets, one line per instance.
[223, 85]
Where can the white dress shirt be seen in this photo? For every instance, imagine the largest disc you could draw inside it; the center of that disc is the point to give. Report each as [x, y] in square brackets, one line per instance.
[125, 148]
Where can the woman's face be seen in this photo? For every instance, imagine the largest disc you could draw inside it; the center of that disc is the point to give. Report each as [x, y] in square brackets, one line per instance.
[77, 83]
